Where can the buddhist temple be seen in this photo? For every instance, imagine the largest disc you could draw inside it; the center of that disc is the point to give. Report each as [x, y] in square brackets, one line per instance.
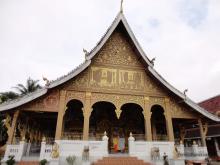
[115, 102]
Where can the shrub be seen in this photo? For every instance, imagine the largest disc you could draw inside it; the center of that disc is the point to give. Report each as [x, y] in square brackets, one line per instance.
[43, 162]
[11, 160]
[71, 160]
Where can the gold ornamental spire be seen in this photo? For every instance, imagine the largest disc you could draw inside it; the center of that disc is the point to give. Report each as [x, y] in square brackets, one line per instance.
[121, 9]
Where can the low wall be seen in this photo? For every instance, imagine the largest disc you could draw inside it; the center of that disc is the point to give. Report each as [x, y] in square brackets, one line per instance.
[70, 147]
[143, 149]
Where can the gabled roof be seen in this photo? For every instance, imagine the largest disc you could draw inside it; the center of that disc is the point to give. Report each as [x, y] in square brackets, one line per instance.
[120, 18]
[211, 104]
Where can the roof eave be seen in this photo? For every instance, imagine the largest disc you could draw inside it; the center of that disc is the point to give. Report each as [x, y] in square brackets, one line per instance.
[182, 96]
[20, 101]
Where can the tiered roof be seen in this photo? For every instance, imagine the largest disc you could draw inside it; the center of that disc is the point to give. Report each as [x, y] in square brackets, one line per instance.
[120, 18]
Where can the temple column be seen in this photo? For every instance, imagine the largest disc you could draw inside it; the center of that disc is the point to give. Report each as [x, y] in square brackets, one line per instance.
[61, 113]
[11, 129]
[147, 117]
[86, 113]
[169, 122]
[203, 131]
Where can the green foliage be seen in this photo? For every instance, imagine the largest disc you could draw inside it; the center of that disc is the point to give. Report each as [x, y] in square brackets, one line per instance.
[3, 132]
[31, 86]
[43, 162]
[5, 96]
[71, 160]
[11, 160]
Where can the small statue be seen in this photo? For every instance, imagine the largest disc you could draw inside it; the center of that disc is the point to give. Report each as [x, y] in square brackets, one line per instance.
[155, 153]
[85, 154]
[165, 159]
[55, 151]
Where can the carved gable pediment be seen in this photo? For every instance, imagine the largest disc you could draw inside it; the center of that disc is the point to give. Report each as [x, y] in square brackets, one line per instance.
[47, 103]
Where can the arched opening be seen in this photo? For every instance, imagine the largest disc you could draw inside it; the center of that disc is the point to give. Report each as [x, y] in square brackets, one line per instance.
[102, 119]
[132, 120]
[118, 125]
[73, 120]
[158, 123]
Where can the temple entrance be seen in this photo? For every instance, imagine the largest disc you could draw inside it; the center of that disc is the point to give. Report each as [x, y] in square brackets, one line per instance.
[103, 118]
[158, 124]
[73, 121]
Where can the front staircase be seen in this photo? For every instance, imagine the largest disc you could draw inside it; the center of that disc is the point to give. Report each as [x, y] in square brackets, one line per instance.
[120, 161]
[28, 163]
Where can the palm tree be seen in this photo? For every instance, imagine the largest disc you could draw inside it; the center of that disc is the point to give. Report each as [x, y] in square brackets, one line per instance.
[31, 86]
[5, 96]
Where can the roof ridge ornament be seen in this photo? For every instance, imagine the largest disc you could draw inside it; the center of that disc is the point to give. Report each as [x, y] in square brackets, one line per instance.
[152, 61]
[121, 8]
[47, 82]
[184, 92]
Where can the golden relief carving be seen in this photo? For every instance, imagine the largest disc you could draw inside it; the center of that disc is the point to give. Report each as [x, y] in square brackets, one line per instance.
[116, 69]
[132, 80]
[118, 100]
[117, 51]
[81, 80]
[75, 95]
[118, 113]
[96, 97]
[48, 103]
[178, 111]
[103, 77]
[157, 101]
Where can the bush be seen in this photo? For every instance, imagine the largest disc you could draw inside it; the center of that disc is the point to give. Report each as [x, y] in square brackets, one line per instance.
[11, 160]
[71, 160]
[43, 162]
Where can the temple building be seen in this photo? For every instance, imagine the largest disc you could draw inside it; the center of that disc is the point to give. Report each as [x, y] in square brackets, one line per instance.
[116, 90]
[212, 105]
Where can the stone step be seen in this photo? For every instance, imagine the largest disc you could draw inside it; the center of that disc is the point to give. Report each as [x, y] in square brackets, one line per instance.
[28, 163]
[120, 161]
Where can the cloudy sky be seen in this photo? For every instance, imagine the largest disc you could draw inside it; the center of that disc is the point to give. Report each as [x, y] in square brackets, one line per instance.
[46, 37]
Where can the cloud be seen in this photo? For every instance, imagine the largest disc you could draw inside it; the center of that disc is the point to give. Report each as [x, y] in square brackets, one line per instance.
[193, 12]
[47, 37]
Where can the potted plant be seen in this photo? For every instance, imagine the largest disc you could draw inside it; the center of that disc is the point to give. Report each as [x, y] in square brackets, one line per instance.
[43, 162]
[71, 160]
[11, 160]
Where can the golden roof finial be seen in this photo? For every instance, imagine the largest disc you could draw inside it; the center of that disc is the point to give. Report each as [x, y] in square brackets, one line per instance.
[121, 9]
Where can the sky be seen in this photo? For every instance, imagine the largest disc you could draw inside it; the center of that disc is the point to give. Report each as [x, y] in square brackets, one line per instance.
[47, 37]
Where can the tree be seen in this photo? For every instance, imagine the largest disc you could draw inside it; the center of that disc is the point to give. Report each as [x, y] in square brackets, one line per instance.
[3, 132]
[5, 96]
[31, 86]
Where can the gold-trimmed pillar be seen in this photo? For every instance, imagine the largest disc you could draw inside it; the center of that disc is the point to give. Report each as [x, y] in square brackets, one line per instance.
[203, 131]
[11, 129]
[61, 113]
[147, 117]
[86, 113]
[169, 122]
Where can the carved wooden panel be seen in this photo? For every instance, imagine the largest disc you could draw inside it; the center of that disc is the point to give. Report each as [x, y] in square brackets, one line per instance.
[103, 77]
[71, 95]
[117, 100]
[117, 51]
[49, 103]
[157, 101]
[179, 111]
